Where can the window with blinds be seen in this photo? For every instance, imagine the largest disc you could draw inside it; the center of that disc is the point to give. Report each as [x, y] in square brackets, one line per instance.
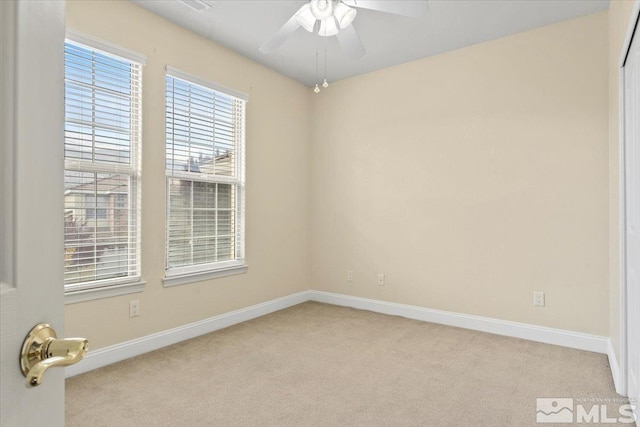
[205, 176]
[102, 168]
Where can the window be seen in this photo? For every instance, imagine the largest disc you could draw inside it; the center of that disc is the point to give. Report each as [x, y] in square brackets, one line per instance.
[102, 168]
[102, 204]
[205, 178]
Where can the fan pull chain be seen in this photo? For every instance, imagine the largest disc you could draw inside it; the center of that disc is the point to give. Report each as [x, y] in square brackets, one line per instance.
[317, 88]
[325, 84]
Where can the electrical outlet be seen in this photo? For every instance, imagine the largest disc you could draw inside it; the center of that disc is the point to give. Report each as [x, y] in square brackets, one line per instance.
[380, 279]
[134, 308]
[349, 275]
[538, 299]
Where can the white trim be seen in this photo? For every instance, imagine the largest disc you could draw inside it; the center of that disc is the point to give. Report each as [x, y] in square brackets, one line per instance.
[622, 235]
[82, 295]
[203, 268]
[190, 78]
[176, 279]
[564, 338]
[621, 385]
[615, 367]
[622, 381]
[105, 46]
[116, 353]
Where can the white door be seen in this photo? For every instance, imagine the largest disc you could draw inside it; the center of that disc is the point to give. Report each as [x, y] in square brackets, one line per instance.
[31, 214]
[632, 202]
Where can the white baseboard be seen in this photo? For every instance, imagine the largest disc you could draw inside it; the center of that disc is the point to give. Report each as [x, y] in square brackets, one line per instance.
[615, 368]
[577, 340]
[116, 353]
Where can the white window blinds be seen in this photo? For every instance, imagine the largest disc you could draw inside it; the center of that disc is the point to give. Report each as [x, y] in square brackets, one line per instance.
[102, 167]
[205, 177]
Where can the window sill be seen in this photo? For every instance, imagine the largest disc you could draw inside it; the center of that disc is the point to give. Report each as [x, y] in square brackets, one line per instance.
[186, 278]
[83, 295]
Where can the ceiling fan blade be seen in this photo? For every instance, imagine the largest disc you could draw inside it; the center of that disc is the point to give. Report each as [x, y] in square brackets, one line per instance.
[411, 8]
[279, 37]
[351, 43]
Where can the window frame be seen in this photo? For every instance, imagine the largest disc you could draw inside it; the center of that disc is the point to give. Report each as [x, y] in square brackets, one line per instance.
[180, 275]
[132, 283]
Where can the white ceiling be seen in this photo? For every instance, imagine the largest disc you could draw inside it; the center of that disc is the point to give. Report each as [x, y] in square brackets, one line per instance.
[244, 25]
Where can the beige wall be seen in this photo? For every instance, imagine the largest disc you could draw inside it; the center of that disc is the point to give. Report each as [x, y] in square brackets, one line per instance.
[277, 184]
[472, 179]
[619, 18]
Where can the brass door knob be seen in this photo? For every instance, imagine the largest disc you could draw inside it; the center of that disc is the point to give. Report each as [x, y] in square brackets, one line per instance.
[42, 350]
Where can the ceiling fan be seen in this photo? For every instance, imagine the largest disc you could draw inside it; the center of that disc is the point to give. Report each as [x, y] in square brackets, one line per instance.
[334, 18]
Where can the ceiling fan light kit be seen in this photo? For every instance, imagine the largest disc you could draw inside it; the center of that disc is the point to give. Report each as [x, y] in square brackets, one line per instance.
[334, 18]
[344, 14]
[328, 28]
[305, 18]
[332, 15]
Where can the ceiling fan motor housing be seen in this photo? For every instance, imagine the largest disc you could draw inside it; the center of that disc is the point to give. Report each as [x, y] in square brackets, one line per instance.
[322, 9]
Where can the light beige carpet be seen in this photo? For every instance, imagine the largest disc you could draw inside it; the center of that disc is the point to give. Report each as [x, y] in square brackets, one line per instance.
[322, 365]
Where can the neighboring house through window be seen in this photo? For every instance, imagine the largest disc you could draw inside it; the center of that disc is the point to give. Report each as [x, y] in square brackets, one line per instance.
[102, 166]
[205, 179]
